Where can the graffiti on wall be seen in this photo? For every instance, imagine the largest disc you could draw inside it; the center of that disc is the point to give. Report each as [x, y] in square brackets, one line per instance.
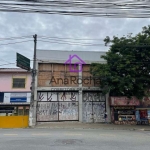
[67, 96]
[54, 106]
[87, 112]
[124, 101]
[68, 111]
[93, 96]
[93, 107]
[47, 111]
[47, 96]
[98, 111]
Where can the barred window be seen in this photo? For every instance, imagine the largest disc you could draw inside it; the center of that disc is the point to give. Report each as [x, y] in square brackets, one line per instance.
[19, 82]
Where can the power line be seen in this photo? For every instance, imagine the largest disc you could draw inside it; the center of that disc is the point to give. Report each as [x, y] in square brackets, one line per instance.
[57, 42]
[7, 64]
[4, 60]
[66, 38]
[93, 8]
[14, 38]
[70, 41]
[16, 42]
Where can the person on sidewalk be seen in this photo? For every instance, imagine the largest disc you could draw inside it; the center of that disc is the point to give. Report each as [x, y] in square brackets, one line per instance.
[105, 117]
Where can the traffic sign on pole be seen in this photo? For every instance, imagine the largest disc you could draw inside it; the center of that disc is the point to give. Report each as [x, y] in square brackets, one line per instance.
[23, 62]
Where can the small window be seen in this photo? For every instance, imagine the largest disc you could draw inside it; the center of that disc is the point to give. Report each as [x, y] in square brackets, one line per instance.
[19, 82]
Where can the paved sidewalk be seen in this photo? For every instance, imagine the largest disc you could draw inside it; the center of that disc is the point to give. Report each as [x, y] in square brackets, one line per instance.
[78, 125]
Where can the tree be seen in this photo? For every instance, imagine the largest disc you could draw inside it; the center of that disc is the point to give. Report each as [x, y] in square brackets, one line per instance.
[127, 68]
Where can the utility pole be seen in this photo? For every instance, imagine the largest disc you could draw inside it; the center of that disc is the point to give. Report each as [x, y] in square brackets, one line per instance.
[34, 63]
[32, 113]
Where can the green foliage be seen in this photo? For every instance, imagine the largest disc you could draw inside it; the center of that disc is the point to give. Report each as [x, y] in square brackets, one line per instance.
[127, 68]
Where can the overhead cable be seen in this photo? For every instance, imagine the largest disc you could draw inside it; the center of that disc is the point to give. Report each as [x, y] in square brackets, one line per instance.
[92, 8]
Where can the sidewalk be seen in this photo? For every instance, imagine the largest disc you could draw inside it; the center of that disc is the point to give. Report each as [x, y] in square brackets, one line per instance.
[78, 125]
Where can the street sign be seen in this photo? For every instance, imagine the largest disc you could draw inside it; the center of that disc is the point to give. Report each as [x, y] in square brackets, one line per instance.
[23, 62]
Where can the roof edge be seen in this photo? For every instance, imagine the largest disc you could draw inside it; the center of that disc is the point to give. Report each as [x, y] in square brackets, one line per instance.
[71, 50]
[13, 70]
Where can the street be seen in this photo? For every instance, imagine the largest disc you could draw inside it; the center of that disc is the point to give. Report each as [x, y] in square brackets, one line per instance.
[73, 139]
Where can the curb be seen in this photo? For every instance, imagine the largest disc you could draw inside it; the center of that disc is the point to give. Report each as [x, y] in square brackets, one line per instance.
[81, 128]
[130, 129]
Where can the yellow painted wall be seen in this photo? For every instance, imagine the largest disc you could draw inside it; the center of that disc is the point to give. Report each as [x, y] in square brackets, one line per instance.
[14, 121]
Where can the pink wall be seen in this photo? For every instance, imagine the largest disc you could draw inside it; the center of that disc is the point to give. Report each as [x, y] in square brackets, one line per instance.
[6, 81]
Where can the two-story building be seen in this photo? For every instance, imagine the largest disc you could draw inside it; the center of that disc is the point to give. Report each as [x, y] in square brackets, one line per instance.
[15, 92]
[65, 89]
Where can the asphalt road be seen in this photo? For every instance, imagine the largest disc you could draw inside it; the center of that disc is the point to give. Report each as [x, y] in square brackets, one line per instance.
[73, 139]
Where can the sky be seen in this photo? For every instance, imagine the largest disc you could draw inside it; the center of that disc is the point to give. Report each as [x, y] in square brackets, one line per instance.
[82, 33]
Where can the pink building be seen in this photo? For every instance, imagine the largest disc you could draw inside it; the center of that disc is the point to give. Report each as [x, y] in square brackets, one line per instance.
[15, 91]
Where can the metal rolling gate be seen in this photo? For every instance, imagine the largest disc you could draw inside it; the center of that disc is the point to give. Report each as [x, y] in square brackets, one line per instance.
[94, 106]
[57, 106]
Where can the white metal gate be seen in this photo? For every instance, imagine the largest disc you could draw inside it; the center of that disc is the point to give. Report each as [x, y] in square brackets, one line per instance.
[57, 106]
[94, 106]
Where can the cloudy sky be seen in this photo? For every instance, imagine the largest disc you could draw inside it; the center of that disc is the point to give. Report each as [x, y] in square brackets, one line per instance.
[80, 33]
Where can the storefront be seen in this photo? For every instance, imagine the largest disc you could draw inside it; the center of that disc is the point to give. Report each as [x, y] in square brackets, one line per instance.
[123, 110]
[15, 104]
[143, 112]
[14, 110]
[124, 115]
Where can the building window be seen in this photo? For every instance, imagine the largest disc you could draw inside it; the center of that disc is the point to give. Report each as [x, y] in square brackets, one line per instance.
[19, 82]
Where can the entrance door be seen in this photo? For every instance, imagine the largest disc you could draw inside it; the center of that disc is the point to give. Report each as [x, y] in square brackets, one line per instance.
[57, 106]
[93, 107]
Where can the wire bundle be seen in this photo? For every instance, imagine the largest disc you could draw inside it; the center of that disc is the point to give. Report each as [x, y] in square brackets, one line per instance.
[92, 8]
[57, 40]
